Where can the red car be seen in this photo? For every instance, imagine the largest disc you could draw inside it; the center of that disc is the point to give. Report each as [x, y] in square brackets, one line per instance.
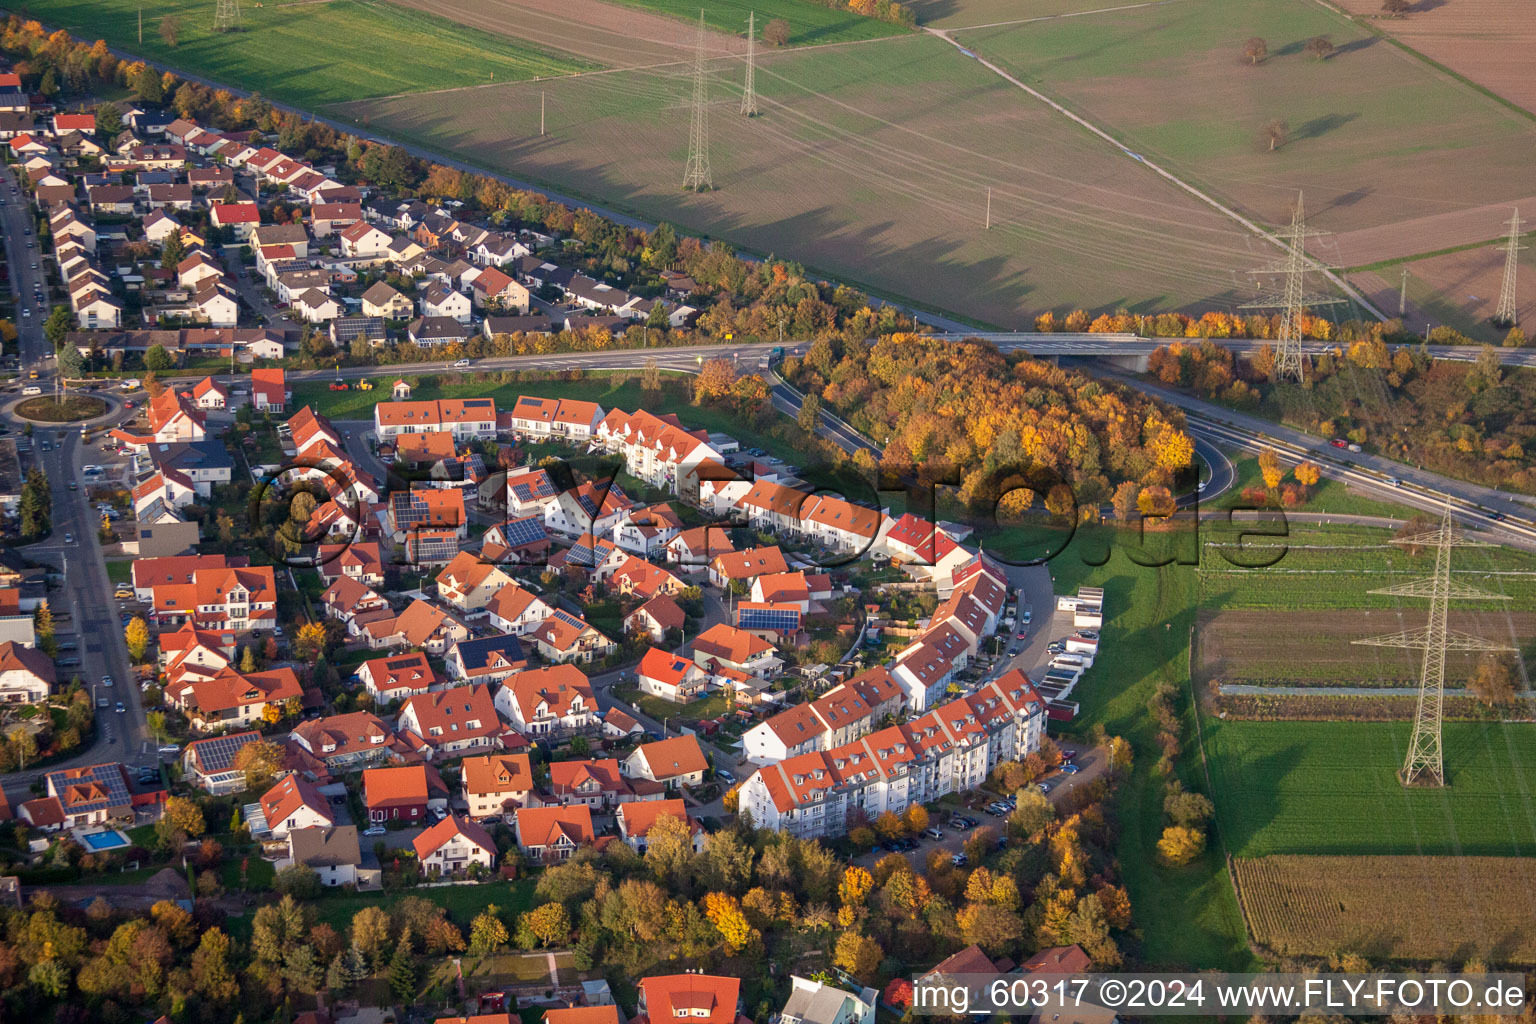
[1339, 442]
[339, 385]
[128, 405]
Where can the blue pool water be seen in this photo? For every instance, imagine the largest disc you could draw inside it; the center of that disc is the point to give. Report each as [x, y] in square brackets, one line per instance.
[99, 841]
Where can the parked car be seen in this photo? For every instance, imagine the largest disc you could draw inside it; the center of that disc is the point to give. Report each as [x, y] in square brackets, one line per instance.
[121, 708]
[461, 364]
[376, 830]
[959, 860]
[934, 833]
[724, 776]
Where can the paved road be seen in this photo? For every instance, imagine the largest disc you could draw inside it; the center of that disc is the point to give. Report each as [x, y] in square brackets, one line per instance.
[28, 275]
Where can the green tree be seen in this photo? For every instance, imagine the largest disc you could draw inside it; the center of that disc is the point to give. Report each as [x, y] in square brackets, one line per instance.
[36, 506]
[147, 86]
[109, 120]
[157, 359]
[58, 325]
[402, 971]
[71, 362]
[155, 720]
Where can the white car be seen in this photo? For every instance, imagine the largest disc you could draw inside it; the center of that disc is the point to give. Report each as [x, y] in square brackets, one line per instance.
[461, 364]
[376, 830]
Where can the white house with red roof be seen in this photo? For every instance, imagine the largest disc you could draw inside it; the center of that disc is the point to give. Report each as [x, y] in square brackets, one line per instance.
[634, 820]
[552, 834]
[451, 721]
[294, 803]
[670, 676]
[453, 846]
[269, 390]
[723, 645]
[396, 677]
[548, 700]
[678, 761]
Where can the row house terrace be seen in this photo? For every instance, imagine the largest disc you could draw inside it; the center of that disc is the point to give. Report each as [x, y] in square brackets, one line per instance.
[659, 449]
[467, 419]
[236, 600]
[564, 419]
[950, 749]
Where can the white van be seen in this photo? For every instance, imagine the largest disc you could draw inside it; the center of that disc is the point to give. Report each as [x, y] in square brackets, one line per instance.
[31, 389]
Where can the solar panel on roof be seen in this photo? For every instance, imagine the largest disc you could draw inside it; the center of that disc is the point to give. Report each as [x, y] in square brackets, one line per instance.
[528, 530]
[784, 620]
[569, 619]
[217, 754]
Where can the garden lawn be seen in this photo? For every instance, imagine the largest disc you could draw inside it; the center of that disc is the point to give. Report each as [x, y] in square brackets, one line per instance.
[1147, 640]
[1328, 496]
[660, 708]
[1331, 788]
[463, 902]
[312, 55]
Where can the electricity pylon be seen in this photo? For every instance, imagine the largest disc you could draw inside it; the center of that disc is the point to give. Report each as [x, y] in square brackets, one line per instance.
[226, 17]
[1425, 763]
[1506, 313]
[1294, 299]
[749, 93]
[696, 176]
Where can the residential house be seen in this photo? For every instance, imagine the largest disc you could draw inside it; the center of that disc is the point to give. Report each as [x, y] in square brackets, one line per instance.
[656, 618]
[208, 764]
[451, 721]
[563, 638]
[647, 531]
[27, 675]
[467, 419]
[363, 239]
[468, 583]
[598, 784]
[344, 743]
[517, 611]
[269, 390]
[494, 784]
[488, 660]
[439, 300]
[293, 803]
[493, 289]
[396, 677]
[744, 567]
[818, 1002]
[383, 301]
[548, 701]
[453, 846]
[636, 818]
[701, 998]
[551, 834]
[209, 394]
[723, 645]
[403, 793]
[699, 546]
[678, 761]
[670, 676]
[91, 795]
[332, 852]
[231, 698]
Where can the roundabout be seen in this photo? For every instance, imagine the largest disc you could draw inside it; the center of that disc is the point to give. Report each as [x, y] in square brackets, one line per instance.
[71, 408]
[74, 407]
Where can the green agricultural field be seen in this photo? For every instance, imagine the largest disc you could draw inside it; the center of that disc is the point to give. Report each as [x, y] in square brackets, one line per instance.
[1151, 611]
[1335, 566]
[1375, 137]
[809, 23]
[1331, 788]
[312, 55]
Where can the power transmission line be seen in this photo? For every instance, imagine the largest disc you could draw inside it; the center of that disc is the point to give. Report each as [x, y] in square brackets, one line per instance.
[1294, 300]
[696, 176]
[226, 16]
[749, 93]
[1425, 763]
[1506, 314]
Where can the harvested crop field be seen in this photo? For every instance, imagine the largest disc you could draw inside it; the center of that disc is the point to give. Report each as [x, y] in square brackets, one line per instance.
[615, 36]
[1316, 649]
[870, 162]
[1375, 135]
[1461, 908]
[1488, 41]
[956, 14]
[1406, 238]
[1459, 288]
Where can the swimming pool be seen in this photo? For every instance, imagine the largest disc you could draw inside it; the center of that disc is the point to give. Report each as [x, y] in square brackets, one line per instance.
[108, 840]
